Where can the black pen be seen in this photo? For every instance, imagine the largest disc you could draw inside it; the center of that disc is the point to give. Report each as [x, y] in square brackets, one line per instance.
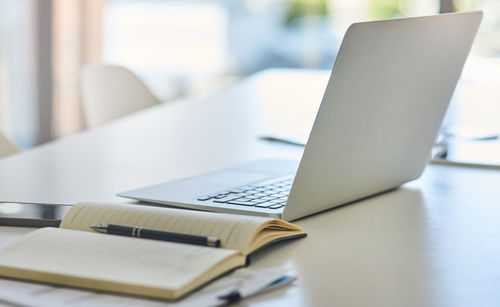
[146, 233]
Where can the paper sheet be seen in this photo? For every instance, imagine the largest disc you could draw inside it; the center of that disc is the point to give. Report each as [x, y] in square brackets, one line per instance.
[18, 293]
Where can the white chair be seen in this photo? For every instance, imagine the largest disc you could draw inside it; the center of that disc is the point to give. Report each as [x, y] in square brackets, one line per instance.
[7, 148]
[110, 92]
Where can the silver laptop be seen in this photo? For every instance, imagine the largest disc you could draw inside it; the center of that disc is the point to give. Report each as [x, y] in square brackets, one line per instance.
[378, 120]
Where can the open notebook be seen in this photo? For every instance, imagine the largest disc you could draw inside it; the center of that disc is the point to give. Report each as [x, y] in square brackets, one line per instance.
[75, 255]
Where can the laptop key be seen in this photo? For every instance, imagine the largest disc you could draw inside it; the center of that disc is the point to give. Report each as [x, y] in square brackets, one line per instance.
[259, 201]
[263, 205]
[267, 198]
[275, 201]
[247, 199]
[207, 197]
[204, 198]
[260, 194]
[277, 206]
[238, 190]
[241, 203]
[244, 194]
[226, 198]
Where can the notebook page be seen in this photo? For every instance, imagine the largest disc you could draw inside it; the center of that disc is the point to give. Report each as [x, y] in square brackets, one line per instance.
[115, 259]
[234, 231]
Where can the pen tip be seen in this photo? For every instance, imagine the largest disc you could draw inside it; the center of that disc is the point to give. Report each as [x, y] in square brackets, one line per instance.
[99, 227]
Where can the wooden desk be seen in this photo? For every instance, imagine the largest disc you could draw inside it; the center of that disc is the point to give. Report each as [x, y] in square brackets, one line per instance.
[432, 242]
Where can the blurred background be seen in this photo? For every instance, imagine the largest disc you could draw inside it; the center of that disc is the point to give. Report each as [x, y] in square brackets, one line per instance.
[196, 47]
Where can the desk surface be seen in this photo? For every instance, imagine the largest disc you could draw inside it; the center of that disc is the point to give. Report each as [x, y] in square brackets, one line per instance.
[433, 242]
[170, 141]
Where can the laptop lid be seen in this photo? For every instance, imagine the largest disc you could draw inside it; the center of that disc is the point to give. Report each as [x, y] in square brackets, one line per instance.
[382, 110]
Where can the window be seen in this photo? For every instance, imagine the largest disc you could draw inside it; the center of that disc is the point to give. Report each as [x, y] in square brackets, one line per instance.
[194, 47]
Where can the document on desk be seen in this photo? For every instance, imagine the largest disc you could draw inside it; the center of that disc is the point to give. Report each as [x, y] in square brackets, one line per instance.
[18, 293]
[75, 255]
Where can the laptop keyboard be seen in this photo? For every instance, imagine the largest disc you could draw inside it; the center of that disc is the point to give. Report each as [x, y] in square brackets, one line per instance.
[271, 194]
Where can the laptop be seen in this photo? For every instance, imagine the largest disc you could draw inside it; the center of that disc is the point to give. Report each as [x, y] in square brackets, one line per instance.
[379, 118]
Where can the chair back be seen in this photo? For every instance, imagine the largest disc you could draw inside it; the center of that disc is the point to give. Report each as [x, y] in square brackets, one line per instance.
[7, 148]
[110, 92]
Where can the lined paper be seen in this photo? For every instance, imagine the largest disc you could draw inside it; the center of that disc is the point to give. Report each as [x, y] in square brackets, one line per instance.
[234, 231]
[115, 259]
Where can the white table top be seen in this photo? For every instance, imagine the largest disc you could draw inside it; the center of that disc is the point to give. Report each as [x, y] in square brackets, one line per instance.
[174, 140]
[433, 242]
